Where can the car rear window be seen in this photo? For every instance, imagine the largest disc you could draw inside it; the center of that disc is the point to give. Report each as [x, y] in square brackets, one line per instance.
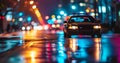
[81, 19]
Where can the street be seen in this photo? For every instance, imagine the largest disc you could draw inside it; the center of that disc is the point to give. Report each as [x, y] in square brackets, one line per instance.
[59, 31]
[52, 47]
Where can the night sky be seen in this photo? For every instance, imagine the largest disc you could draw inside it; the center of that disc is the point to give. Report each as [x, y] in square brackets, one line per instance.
[46, 7]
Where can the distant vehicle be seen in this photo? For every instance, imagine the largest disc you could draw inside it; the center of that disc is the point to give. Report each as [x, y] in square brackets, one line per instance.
[82, 24]
[56, 27]
[26, 28]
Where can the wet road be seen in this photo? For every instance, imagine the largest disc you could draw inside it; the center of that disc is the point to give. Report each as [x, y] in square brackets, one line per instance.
[52, 47]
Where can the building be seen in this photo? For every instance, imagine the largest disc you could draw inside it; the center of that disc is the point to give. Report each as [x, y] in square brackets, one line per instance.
[100, 9]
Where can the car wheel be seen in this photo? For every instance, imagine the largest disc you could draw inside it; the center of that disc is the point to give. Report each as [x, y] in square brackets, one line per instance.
[66, 35]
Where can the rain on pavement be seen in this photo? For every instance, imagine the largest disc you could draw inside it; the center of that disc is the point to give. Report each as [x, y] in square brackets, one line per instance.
[45, 47]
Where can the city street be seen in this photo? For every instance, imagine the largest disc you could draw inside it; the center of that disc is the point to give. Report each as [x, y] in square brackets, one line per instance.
[52, 47]
[59, 31]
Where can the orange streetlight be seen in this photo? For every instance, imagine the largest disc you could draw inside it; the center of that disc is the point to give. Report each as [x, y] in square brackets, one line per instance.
[31, 2]
[34, 6]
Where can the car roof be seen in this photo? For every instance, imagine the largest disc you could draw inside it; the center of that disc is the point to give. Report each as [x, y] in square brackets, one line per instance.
[81, 16]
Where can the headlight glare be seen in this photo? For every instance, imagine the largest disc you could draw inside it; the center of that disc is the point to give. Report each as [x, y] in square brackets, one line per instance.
[97, 27]
[73, 27]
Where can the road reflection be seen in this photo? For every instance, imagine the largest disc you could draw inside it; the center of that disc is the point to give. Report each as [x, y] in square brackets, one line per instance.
[61, 50]
[6, 45]
[80, 50]
[90, 50]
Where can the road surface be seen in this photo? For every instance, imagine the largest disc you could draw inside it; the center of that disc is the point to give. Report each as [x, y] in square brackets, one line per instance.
[52, 47]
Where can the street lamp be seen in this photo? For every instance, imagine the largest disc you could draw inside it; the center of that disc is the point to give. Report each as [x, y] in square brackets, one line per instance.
[31, 2]
[34, 6]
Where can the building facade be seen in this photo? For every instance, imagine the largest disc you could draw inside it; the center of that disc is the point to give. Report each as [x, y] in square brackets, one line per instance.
[105, 10]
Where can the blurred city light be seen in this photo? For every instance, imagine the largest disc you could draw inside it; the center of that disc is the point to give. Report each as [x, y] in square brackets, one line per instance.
[92, 10]
[62, 12]
[18, 0]
[88, 10]
[71, 1]
[53, 19]
[38, 14]
[2, 17]
[102, 9]
[46, 27]
[31, 2]
[29, 18]
[8, 17]
[50, 21]
[46, 17]
[82, 4]
[20, 19]
[20, 13]
[65, 14]
[73, 7]
[23, 28]
[34, 6]
[82, 12]
[92, 14]
[53, 16]
[59, 21]
[60, 5]
[58, 17]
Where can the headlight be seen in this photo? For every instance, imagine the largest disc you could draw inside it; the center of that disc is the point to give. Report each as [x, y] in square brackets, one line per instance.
[97, 27]
[23, 28]
[28, 28]
[73, 27]
[57, 25]
[53, 26]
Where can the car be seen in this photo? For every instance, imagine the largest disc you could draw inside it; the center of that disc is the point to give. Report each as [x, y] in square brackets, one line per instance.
[82, 24]
[26, 28]
[56, 27]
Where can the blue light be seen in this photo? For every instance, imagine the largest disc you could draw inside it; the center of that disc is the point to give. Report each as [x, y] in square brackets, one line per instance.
[21, 14]
[73, 7]
[50, 21]
[102, 9]
[29, 18]
[62, 12]
[58, 16]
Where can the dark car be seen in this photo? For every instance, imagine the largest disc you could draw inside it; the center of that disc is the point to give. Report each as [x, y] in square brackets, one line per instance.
[84, 24]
